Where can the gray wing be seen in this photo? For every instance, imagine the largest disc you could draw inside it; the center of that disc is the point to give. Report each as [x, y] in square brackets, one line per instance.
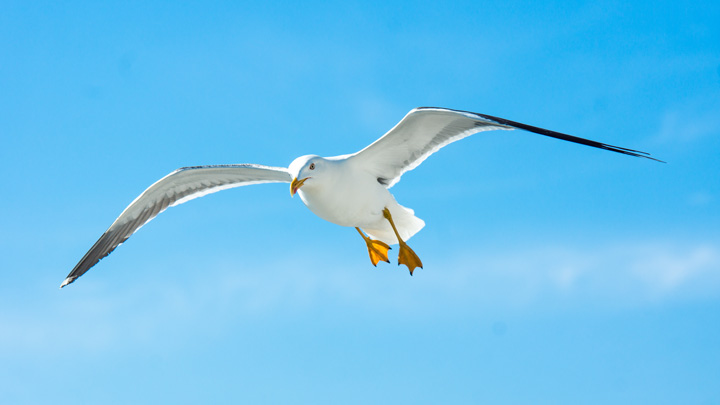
[176, 188]
[423, 131]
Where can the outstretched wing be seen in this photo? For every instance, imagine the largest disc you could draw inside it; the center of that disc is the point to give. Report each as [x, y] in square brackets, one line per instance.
[425, 130]
[176, 188]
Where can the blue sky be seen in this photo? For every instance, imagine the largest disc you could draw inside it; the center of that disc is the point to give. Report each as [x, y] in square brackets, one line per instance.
[554, 273]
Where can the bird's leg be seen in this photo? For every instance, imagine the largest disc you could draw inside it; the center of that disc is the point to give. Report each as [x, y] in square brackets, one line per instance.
[377, 249]
[406, 255]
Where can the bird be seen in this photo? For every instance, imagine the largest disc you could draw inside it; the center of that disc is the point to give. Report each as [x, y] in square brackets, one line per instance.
[350, 190]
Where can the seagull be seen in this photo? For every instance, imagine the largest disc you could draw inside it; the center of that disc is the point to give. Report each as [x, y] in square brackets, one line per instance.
[348, 190]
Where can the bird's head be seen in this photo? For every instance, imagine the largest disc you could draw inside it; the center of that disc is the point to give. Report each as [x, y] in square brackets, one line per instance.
[305, 171]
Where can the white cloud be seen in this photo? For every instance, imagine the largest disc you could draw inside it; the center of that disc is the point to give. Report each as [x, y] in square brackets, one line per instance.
[97, 316]
[622, 274]
[667, 270]
[690, 123]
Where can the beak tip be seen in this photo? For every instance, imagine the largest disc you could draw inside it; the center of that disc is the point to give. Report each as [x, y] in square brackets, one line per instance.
[295, 185]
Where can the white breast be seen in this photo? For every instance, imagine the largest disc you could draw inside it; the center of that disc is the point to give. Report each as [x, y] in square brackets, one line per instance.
[347, 197]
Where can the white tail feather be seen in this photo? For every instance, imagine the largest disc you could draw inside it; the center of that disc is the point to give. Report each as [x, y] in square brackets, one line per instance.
[406, 222]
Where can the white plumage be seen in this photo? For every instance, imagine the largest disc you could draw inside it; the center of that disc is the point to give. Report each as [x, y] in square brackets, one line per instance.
[349, 190]
[341, 191]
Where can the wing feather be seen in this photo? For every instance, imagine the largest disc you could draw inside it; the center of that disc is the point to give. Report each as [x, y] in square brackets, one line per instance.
[178, 187]
[424, 130]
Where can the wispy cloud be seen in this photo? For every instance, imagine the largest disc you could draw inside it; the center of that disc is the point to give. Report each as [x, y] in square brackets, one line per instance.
[98, 317]
[690, 123]
[621, 275]
[668, 270]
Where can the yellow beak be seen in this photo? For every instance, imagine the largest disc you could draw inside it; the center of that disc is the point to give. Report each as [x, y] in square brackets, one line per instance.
[296, 184]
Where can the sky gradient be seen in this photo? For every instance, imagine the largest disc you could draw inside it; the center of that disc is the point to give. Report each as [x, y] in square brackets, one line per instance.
[554, 272]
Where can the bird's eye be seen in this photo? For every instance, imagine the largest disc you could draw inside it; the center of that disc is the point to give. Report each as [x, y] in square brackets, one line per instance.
[312, 166]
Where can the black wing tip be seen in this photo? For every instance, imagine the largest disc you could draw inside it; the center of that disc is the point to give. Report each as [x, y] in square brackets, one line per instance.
[547, 132]
[566, 137]
[626, 151]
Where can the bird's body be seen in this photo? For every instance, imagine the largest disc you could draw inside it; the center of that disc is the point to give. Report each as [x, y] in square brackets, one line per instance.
[353, 197]
[348, 190]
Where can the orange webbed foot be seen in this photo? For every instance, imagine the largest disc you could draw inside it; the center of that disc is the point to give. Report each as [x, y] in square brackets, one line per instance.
[378, 251]
[408, 257]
